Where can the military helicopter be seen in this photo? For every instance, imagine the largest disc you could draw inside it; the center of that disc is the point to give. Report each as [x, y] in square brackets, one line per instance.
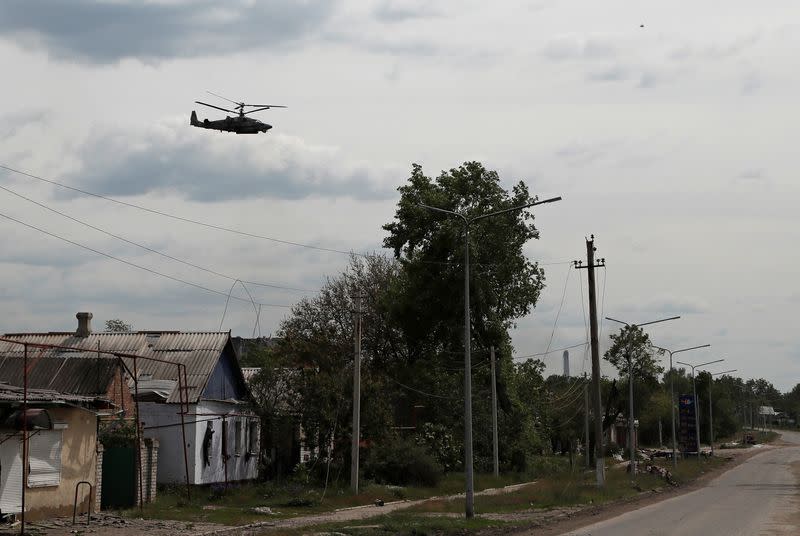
[238, 124]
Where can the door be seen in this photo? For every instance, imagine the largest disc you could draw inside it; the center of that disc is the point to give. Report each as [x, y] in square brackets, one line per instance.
[119, 478]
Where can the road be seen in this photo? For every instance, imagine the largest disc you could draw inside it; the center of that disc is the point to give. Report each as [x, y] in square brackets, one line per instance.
[758, 497]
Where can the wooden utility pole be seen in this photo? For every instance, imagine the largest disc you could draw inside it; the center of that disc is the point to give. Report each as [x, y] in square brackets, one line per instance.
[356, 398]
[596, 401]
[495, 446]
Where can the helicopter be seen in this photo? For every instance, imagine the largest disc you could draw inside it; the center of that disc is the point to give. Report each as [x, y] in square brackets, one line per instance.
[238, 124]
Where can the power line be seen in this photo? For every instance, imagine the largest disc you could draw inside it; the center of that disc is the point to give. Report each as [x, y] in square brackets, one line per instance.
[528, 356]
[140, 267]
[404, 386]
[561, 305]
[179, 218]
[147, 248]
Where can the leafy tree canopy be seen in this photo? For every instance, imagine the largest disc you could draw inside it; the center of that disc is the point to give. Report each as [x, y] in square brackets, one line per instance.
[117, 325]
[632, 342]
[505, 284]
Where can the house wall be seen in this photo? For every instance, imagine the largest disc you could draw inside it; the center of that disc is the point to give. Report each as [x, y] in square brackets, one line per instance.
[120, 394]
[242, 466]
[166, 418]
[78, 462]
[226, 380]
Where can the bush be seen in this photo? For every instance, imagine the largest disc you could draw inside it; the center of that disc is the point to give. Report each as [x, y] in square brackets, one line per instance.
[611, 448]
[402, 462]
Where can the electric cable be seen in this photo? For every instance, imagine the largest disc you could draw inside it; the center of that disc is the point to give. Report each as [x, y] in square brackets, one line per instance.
[179, 218]
[129, 263]
[147, 248]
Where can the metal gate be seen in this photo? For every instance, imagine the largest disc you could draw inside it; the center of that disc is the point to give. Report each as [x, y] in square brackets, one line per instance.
[119, 478]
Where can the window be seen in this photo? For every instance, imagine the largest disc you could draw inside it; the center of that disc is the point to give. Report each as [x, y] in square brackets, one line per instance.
[44, 466]
[237, 437]
[252, 448]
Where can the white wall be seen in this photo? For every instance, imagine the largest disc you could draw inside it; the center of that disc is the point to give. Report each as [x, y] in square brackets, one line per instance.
[170, 454]
[242, 466]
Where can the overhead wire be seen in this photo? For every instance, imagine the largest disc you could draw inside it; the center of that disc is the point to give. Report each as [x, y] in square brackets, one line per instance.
[528, 356]
[179, 218]
[147, 248]
[134, 265]
[561, 305]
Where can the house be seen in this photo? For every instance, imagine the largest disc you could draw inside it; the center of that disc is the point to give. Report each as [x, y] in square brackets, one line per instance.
[188, 385]
[60, 421]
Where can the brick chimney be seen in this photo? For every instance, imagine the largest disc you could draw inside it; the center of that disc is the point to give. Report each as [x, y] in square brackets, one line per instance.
[84, 324]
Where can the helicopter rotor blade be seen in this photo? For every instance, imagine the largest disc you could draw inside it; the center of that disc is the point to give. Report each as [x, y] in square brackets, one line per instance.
[217, 107]
[266, 105]
[225, 98]
[257, 110]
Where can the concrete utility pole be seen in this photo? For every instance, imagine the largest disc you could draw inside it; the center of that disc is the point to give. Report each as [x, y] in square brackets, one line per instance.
[469, 495]
[586, 424]
[495, 446]
[631, 420]
[600, 465]
[354, 449]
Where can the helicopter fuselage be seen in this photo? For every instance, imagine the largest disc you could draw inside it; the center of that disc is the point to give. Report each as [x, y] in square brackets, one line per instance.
[238, 125]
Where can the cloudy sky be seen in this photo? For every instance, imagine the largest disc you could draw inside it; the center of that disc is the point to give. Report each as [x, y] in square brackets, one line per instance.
[672, 142]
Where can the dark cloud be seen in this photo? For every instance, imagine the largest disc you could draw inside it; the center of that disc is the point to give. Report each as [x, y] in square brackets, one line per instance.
[105, 32]
[210, 166]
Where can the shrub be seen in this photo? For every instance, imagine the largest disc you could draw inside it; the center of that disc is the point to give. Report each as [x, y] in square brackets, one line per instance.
[402, 462]
[439, 442]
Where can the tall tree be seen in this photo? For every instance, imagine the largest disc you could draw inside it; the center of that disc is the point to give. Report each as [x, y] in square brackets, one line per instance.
[504, 283]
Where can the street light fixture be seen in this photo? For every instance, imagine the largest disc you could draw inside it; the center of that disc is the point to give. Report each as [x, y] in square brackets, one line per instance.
[694, 391]
[710, 411]
[470, 489]
[630, 387]
[672, 394]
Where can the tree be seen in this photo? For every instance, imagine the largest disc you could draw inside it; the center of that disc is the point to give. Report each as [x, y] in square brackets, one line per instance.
[117, 325]
[633, 343]
[505, 284]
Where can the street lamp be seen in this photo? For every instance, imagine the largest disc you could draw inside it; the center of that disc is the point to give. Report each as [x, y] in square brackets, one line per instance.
[470, 511]
[694, 391]
[710, 411]
[672, 394]
[630, 387]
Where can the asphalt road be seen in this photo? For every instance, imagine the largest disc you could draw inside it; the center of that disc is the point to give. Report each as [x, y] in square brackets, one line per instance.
[758, 497]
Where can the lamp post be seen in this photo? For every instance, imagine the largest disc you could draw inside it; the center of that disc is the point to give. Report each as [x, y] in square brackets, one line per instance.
[672, 395]
[469, 492]
[710, 410]
[631, 431]
[694, 393]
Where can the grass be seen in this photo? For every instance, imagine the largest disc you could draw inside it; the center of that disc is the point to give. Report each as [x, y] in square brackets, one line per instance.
[287, 499]
[575, 489]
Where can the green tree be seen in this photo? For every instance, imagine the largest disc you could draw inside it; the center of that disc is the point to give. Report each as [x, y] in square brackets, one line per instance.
[633, 343]
[504, 283]
[117, 325]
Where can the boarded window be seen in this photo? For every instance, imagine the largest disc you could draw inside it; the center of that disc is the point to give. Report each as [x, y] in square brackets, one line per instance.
[252, 448]
[45, 459]
[237, 439]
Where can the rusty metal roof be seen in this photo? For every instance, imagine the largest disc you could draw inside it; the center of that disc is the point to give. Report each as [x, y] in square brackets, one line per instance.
[197, 351]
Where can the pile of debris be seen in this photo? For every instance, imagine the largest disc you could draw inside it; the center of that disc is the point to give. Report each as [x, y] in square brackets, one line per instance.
[662, 472]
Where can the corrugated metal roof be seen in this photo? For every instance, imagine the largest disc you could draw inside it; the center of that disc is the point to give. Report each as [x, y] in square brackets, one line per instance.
[9, 393]
[75, 374]
[197, 351]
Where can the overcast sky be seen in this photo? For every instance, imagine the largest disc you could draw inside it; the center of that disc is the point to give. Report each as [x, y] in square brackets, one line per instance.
[670, 129]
